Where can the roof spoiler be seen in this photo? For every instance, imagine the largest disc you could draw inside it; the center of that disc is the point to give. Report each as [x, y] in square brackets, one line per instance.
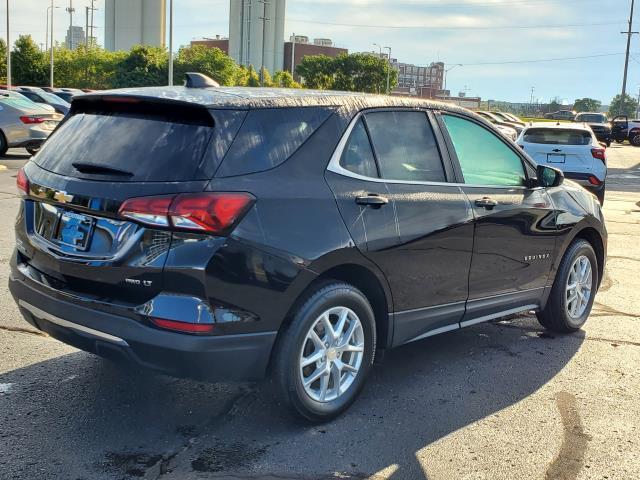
[198, 80]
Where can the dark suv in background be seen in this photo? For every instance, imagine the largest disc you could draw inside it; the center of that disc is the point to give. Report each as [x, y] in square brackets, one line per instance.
[233, 233]
[599, 123]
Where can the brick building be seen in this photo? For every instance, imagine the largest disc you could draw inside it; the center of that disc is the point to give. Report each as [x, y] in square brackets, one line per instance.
[303, 48]
[219, 42]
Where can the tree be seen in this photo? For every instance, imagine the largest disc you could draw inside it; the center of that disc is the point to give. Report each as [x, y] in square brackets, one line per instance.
[317, 71]
[29, 64]
[284, 80]
[356, 72]
[253, 80]
[586, 105]
[554, 105]
[619, 107]
[212, 62]
[3, 61]
[265, 78]
[363, 72]
[143, 66]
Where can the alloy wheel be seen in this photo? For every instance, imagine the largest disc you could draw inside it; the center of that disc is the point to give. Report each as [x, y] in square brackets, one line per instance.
[578, 290]
[331, 354]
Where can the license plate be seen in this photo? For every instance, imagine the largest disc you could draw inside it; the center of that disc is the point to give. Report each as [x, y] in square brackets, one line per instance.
[74, 230]
[556, 157]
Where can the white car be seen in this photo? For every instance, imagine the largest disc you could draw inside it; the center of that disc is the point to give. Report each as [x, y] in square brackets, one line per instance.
[573, 148]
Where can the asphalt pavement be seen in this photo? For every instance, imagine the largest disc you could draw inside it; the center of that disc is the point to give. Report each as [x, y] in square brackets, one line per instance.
[503, 400]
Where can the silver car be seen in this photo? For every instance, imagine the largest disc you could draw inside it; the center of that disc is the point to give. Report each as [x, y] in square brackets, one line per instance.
[23, 124]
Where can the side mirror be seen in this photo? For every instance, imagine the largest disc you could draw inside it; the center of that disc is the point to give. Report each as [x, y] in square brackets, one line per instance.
[549, 176]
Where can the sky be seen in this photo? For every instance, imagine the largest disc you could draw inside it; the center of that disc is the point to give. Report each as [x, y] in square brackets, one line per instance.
[487, 37]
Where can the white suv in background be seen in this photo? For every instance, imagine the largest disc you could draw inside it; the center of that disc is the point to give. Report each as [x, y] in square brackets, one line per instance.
[573, 148]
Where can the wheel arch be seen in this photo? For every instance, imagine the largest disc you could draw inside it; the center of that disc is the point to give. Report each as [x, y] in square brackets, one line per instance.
[364, 276]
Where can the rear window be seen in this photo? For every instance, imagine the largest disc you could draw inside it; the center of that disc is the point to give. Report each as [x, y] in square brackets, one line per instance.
[557, 136]
[19, 103]
[269, 136]
[591, 118]
[174, 147]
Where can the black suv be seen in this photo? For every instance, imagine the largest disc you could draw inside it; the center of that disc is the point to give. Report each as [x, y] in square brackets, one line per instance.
[235, 233]
[599, 123]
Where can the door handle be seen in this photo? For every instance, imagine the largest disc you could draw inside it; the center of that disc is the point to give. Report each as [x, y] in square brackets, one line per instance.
[486, 202]
[372, 200]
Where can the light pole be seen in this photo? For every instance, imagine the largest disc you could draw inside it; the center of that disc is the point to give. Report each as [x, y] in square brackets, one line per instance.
[8, 50]
[388, 69]
[379, 55]
[170, 43]
[46, 47]
[447, 71]
[293, 54]
[52, 47]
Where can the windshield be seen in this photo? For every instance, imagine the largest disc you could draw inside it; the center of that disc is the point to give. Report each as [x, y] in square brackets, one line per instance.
[51, 98]
[591, 118]
[557, 136]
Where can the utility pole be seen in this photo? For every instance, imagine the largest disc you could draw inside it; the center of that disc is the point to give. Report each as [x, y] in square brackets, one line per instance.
[52, 48]
[8, 50]
[86, 28]
[264, 25]
[628, 33]
[170, 43]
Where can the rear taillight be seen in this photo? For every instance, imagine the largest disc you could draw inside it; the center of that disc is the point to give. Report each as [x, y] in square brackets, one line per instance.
[184, 327]
[600, 154]
[594, 181]
[30, 120]
[22, 182]
[209, 212]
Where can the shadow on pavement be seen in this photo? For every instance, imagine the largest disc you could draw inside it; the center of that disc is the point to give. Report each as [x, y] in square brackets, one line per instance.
[78, 416]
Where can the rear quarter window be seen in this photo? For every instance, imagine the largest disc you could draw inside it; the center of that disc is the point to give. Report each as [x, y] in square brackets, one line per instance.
[269, 136]
[557, 136]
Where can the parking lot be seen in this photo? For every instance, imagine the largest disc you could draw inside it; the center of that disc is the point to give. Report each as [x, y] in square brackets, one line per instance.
[501, 400]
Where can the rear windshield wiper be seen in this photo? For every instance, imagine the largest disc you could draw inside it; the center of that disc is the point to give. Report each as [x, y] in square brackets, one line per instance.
[100, 169]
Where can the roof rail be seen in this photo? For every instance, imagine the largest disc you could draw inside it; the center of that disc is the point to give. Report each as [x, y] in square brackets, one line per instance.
[198, 80]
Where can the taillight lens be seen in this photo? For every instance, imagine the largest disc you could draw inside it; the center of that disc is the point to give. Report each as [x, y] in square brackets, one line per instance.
[594, 181]
[600, 154]
[210, 212]
[30, 120]
[22, 182]
[184, 327]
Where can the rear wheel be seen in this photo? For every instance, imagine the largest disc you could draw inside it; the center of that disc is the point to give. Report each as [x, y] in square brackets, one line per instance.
[600, 194]
[323, 357]
[573, 291]
[33, 151]
[634, 139]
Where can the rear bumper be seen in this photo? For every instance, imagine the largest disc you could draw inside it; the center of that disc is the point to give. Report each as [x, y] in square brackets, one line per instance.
[241, 357]
[583, 180]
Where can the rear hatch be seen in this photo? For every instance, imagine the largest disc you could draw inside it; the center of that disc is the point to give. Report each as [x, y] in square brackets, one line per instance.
[110, 150]
[564, 148]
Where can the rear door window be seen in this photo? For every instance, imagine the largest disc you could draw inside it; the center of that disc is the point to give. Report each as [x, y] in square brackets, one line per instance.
[557, 136]
[405, 146]
[269, 136]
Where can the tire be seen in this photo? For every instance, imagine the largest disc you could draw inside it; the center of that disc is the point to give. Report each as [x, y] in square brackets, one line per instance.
[4, 146]
[608, 143]
[32, 151]
[556, 316]
[634, 139]
[296, 344]
[600, 194]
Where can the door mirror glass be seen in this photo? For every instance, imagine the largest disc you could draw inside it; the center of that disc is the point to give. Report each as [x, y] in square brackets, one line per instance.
[549, 176]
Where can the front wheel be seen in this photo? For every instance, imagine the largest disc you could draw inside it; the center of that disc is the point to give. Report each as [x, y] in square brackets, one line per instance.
[573, 291]
[323, 357]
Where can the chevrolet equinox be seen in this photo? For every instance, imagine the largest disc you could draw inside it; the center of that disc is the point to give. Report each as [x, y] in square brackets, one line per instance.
[231, 234]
